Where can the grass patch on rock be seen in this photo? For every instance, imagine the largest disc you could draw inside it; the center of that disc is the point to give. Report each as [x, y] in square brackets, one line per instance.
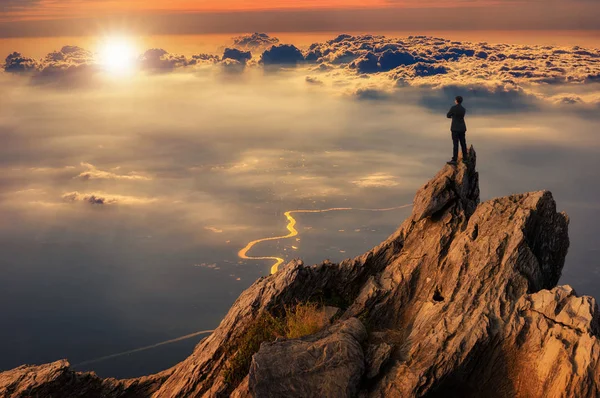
[304, 320]
[265, 328]
[297, 321]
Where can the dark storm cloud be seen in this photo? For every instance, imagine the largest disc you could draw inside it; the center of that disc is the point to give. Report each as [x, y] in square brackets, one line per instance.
[283, 54]
[368, 63]
[423, 69]
[391, 59]
[234, 60]
[17, 63]
[235, 54]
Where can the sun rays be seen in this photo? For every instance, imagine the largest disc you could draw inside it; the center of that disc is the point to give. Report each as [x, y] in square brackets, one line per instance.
[117, 55]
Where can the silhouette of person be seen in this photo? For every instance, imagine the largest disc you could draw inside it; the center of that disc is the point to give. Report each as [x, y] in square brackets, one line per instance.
[459, 130]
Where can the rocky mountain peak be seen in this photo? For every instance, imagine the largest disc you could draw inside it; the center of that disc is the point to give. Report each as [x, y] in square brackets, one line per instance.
[453, 185]
[460, 301]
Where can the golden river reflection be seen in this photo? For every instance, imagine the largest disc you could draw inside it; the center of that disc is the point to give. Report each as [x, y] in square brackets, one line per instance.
[293, 232]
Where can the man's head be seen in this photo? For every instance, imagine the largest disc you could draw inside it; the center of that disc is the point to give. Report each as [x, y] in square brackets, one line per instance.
[459, 99]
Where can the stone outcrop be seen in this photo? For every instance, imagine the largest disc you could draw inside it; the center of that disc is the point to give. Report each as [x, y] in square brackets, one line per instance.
[460, 301]
[327, 364]
[56, 379]
[375, 357]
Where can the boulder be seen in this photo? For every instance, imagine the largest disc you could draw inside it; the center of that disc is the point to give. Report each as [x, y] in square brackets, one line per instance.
[327, 364]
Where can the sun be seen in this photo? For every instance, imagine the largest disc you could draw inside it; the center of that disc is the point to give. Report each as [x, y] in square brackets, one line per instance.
[117, 55]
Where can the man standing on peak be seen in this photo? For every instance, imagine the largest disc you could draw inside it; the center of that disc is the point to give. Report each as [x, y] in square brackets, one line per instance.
[459, 130]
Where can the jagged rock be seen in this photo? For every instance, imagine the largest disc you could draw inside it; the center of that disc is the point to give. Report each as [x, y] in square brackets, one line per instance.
[56, 379]
[243, 390]
[449, 185]
[536, 354]
[562, 306]
[457, 291]
[331, 312]
[327, 364]
[377, 355]
[554, 335]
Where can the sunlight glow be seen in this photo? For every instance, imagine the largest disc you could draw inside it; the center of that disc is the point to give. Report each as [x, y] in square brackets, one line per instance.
[117, 55]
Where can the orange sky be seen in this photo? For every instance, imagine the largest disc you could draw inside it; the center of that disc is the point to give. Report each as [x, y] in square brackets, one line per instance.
[58, 9]
[45, 18]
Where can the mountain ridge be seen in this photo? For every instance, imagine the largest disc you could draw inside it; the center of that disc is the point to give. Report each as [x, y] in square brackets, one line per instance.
[460, 301]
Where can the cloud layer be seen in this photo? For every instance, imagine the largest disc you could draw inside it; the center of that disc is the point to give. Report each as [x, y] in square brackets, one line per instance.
[370, 66]
[429, 62]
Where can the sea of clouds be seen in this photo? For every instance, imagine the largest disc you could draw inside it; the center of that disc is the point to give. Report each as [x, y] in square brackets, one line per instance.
[370, 66]
[125, 199]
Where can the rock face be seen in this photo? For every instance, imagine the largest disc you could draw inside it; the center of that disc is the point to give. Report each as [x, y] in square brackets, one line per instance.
[327, 364]
[58, 380]
[461, 301]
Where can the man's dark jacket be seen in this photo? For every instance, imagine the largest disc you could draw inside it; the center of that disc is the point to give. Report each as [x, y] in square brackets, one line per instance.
[457, 114]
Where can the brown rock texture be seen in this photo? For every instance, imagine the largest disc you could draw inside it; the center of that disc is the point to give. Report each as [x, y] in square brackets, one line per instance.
[461, 301]
[56, 379]
[327, 364]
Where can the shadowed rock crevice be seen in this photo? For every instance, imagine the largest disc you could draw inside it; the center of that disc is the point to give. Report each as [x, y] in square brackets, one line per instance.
[453, 302]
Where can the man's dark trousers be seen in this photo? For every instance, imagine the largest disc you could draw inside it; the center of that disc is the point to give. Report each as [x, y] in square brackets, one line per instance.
[459, 136]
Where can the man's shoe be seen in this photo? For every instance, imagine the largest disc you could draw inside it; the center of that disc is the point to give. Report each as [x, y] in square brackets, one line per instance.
[452, 162]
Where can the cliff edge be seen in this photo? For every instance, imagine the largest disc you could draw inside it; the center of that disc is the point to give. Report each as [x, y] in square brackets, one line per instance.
[461, 301]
